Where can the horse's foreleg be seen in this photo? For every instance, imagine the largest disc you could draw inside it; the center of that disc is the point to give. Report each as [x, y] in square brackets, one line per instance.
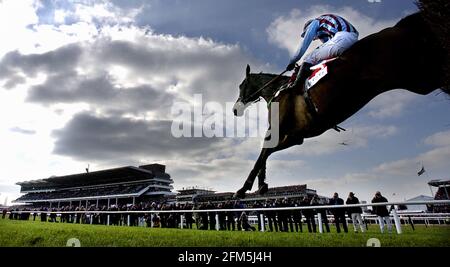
[260, 163]
[260, 166]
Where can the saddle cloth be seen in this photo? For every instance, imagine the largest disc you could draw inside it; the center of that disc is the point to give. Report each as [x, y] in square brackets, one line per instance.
[319, 71]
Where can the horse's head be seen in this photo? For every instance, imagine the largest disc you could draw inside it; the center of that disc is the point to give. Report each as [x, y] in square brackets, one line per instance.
[247, 94]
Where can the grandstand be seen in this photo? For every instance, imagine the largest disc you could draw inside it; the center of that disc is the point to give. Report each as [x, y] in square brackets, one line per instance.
[192, 195]
[189, 195]
[442, 193]
[125, 185]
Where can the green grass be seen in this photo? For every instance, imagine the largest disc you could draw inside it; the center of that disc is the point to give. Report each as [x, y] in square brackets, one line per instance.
[42, 234]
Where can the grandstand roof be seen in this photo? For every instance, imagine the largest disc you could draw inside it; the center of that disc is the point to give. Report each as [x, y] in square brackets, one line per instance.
[440, 182]
[117, 175]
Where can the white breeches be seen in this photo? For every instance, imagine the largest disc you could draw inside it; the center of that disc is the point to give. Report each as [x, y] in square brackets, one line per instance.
[333, 48]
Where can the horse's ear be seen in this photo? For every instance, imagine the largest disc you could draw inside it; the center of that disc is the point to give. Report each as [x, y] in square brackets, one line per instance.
[247, 71]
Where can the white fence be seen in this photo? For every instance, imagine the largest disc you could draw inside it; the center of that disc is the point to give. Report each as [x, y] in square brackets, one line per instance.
[394, 214]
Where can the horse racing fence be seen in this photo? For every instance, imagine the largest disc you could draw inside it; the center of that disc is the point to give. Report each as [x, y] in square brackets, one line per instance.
[395, 215]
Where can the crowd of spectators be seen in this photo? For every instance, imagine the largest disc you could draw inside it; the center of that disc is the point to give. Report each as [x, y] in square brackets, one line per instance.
[274, 220]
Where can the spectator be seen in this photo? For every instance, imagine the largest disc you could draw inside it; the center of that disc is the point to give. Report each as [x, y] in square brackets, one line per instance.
[271, 217]
[382, 212]
[259, 214]
[355, 212]
[221, 217]
[238, 205]
[11, 214]
[188, 215]
[339, 213]
[315, 201]
[43, 214]
[244, 222]
[309, 215]
[4, 213]
[287, 203]
[297, 217]
[231, 225]
[203, 218]
[34, 214]
[53, 215]
[282, 216]
[211, 216]
[156, 221]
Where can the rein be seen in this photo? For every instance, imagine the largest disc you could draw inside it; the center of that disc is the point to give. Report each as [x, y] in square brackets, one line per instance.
[264, 87]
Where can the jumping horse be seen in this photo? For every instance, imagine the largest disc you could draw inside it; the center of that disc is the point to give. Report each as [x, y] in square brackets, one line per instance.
[409, 56]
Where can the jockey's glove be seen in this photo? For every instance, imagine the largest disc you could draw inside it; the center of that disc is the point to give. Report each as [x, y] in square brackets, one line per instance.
[290, 67]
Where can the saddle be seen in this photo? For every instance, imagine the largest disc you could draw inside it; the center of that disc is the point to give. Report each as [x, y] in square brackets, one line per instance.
[319, 72]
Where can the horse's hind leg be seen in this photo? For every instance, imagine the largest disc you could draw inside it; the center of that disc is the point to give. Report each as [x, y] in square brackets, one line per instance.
[265, 152]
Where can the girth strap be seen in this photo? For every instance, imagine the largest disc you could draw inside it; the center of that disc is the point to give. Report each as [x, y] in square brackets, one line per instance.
[313, 110]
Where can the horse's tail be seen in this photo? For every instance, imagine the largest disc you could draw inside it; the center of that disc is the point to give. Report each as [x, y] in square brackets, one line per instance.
[437, 15]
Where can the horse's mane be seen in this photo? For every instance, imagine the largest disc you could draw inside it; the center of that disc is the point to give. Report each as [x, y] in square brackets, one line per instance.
[437, 15]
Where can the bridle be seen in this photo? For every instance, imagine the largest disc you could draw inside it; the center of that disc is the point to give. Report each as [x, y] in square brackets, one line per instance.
[262, 88]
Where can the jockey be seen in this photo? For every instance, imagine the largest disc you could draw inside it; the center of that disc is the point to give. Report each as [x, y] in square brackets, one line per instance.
[336, 34]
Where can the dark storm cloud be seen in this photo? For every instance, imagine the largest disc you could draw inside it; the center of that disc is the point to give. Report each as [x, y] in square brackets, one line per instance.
[167, 56]
[56, 61]
[90, 137]
[211, 69]
[200, 65]
[244, 22]
[100, 91]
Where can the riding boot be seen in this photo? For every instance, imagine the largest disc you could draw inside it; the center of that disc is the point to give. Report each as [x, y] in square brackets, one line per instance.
[303, 74]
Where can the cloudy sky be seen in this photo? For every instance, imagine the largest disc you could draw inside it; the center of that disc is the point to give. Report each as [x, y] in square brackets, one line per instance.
[93, 82]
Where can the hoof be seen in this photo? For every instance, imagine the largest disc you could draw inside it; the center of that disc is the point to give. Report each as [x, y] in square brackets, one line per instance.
[240, 194]
[263, 189]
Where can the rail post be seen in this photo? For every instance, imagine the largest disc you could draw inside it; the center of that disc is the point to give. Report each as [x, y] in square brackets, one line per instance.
[181, 221]
[398, 225]
[263, 222]
[319, 220]
[217, 222]
[107, 220]
[128, 220]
